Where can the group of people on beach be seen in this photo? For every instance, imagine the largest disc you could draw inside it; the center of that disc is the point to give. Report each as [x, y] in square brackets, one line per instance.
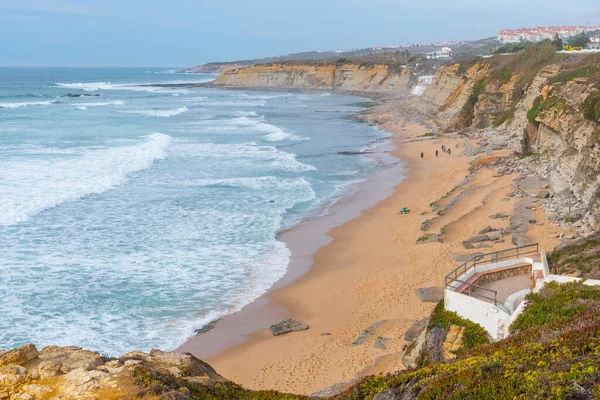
[444, 150]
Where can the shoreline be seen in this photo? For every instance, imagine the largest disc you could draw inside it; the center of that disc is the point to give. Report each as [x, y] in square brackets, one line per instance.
[244, 329]
[361, 285]
[303, 240]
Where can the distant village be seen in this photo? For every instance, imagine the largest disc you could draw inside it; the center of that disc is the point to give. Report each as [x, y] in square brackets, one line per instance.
[550, 32]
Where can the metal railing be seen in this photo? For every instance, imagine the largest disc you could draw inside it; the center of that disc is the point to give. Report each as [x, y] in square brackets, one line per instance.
[488, 258]
[470, 292]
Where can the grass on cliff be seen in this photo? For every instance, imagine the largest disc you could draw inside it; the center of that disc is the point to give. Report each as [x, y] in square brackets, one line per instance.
[556, 303]
[554, 354]
[558, 358]
[591, 107]
[581, 258]
[473, 335]
[520, 68]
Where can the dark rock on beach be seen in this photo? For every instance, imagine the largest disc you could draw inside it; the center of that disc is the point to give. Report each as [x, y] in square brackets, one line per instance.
[287, 326]
[498, 216]
[366, 334]
[430, 294]
[208, 326]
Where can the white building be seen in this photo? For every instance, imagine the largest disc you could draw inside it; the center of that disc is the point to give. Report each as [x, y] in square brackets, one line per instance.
[443, 53]
[541, 33]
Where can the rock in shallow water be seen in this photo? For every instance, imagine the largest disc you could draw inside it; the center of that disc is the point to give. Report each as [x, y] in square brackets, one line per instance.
[287, 326]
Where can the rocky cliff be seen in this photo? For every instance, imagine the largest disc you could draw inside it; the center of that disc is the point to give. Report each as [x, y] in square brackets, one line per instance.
[540, 104]
[73, 373]
[334, 77]
[535, 102]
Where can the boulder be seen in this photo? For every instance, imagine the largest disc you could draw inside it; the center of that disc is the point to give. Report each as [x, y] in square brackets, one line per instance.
[478, 239]
[287, 326]
[495, 235]
[48, 369]
[19, 355]
[367, 333]
[430, 294]
[380, 343]
[71, 357]
[12, 378]
[499, 216]
[415, 330]
[485, 230]
[467, 245]
[543, 194]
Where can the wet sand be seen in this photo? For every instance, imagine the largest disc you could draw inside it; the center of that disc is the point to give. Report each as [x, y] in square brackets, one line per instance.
[365, 271]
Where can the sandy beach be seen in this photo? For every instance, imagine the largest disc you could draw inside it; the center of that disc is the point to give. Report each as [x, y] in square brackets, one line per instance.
[364, 278]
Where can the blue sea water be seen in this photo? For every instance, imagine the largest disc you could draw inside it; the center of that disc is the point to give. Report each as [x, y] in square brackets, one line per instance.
[130, 219]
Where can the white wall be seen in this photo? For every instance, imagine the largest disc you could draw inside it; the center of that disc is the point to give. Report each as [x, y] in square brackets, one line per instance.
[489, 316]
[492, 318]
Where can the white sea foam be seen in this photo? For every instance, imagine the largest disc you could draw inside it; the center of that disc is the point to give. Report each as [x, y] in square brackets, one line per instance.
[251, 154]
[252, 122]
[161, 113]
[27, 104]
[82, 108]
[102, 103]
[136, 87]
[235, 103]
[194, 99]
[256, 183]
[33, 186]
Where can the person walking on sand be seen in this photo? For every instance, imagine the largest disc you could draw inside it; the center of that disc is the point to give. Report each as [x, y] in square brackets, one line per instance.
[436, 153]
[422, 154]
[449, 151]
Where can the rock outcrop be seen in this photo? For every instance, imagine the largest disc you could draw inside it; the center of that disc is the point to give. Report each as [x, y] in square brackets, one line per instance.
[74, 373]
[334, 77]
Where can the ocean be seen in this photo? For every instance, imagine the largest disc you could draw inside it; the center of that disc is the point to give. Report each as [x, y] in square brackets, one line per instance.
[130, 219]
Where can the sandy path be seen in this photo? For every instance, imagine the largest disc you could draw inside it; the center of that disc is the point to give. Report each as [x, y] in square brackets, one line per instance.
[369, 273]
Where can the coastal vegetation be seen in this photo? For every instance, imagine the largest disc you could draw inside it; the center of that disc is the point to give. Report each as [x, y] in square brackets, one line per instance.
[473, 335]
[555, 354]
[581, 258]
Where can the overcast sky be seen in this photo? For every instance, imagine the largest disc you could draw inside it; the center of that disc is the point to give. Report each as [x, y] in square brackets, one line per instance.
[189, 32]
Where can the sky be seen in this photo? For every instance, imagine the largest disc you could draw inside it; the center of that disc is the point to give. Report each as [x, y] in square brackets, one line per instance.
[182, 33]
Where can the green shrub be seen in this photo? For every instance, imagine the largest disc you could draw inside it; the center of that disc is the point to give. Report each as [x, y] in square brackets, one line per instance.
[555, 303]
[591, 107]
[568, 76]
[535, 108]
[514, 47]
[503, 76]
[504, 116]
[474, 334]
[466, 114]
[559, 360]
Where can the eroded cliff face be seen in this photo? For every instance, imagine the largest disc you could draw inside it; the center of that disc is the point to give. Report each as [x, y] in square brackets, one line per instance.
[497, 94]
[568, 143]
[335, 77]
[537, 109]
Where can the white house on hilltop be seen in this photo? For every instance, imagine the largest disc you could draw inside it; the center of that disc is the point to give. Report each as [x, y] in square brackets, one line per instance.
[443, 53]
